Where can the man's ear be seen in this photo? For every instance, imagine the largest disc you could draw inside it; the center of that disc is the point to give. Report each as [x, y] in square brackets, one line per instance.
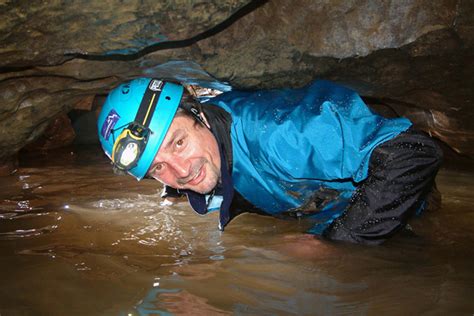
[204, 119]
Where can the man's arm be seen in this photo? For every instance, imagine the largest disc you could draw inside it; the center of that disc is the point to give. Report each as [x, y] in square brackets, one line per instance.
[401, 174]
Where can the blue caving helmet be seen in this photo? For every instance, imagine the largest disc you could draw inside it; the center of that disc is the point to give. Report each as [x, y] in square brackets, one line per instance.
[134, 121]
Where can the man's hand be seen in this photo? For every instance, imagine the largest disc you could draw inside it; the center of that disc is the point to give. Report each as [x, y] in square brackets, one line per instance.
[169, 201]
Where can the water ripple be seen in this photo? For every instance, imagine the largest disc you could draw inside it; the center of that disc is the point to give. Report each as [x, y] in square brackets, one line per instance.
[24, 233]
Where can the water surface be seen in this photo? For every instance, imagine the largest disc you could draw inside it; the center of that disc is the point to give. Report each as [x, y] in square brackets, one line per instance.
[75, 239]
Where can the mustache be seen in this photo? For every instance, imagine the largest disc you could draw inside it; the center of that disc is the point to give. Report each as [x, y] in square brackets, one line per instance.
[194, 170]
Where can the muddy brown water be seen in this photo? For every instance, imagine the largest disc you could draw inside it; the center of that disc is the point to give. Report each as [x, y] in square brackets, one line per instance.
[75, 239]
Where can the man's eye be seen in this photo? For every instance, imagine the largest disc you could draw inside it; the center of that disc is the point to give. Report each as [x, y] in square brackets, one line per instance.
[179, 142]
[156, 168]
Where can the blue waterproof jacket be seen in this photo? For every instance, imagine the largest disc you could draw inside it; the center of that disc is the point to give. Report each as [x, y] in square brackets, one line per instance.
[289, 144]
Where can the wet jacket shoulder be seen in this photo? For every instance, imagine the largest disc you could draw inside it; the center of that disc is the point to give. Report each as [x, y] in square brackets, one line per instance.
[289, 143]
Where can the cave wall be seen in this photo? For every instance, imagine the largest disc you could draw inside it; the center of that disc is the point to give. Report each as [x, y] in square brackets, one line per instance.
[413, 56]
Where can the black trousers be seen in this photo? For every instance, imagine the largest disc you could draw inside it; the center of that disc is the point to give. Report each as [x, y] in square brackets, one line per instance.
[401, 174]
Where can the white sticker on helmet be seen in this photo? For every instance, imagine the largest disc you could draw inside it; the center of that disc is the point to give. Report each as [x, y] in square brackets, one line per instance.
[155, 85]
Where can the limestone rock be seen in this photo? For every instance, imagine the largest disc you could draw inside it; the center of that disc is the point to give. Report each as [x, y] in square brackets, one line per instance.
[415, 56]
[30, 103]
[58, 133]
[9, 166]
[46, 32]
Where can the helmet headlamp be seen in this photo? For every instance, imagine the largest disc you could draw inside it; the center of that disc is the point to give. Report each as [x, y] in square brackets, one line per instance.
[129, 146]
[131, 143]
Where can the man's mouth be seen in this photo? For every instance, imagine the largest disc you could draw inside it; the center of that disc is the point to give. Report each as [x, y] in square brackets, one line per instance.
[198, 177]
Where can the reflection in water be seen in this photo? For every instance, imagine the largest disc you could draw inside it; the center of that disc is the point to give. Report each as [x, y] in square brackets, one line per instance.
[78, 240]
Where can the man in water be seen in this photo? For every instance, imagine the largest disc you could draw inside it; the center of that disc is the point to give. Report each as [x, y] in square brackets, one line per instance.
[316, 152]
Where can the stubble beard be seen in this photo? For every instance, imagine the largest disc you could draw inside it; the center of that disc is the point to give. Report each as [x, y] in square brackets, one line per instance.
[208, 183]
[211, 180]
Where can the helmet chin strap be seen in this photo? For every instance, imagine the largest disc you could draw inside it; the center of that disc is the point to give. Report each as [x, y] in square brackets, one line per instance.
[196, 113]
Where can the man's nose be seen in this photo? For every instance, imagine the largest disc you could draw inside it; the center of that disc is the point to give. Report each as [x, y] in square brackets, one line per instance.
[179, 166]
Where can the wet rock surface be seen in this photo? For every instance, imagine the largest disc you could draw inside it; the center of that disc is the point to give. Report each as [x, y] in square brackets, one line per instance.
[414, 58]
[48, 32]
[58, 133]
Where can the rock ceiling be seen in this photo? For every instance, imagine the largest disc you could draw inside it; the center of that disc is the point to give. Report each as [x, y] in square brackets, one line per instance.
[413, 57]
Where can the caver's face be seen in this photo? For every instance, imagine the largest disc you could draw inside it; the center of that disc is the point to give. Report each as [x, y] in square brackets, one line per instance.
[188, 157]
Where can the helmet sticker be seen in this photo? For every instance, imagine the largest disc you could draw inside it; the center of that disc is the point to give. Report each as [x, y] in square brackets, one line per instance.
[109, 123]
[155, 85]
